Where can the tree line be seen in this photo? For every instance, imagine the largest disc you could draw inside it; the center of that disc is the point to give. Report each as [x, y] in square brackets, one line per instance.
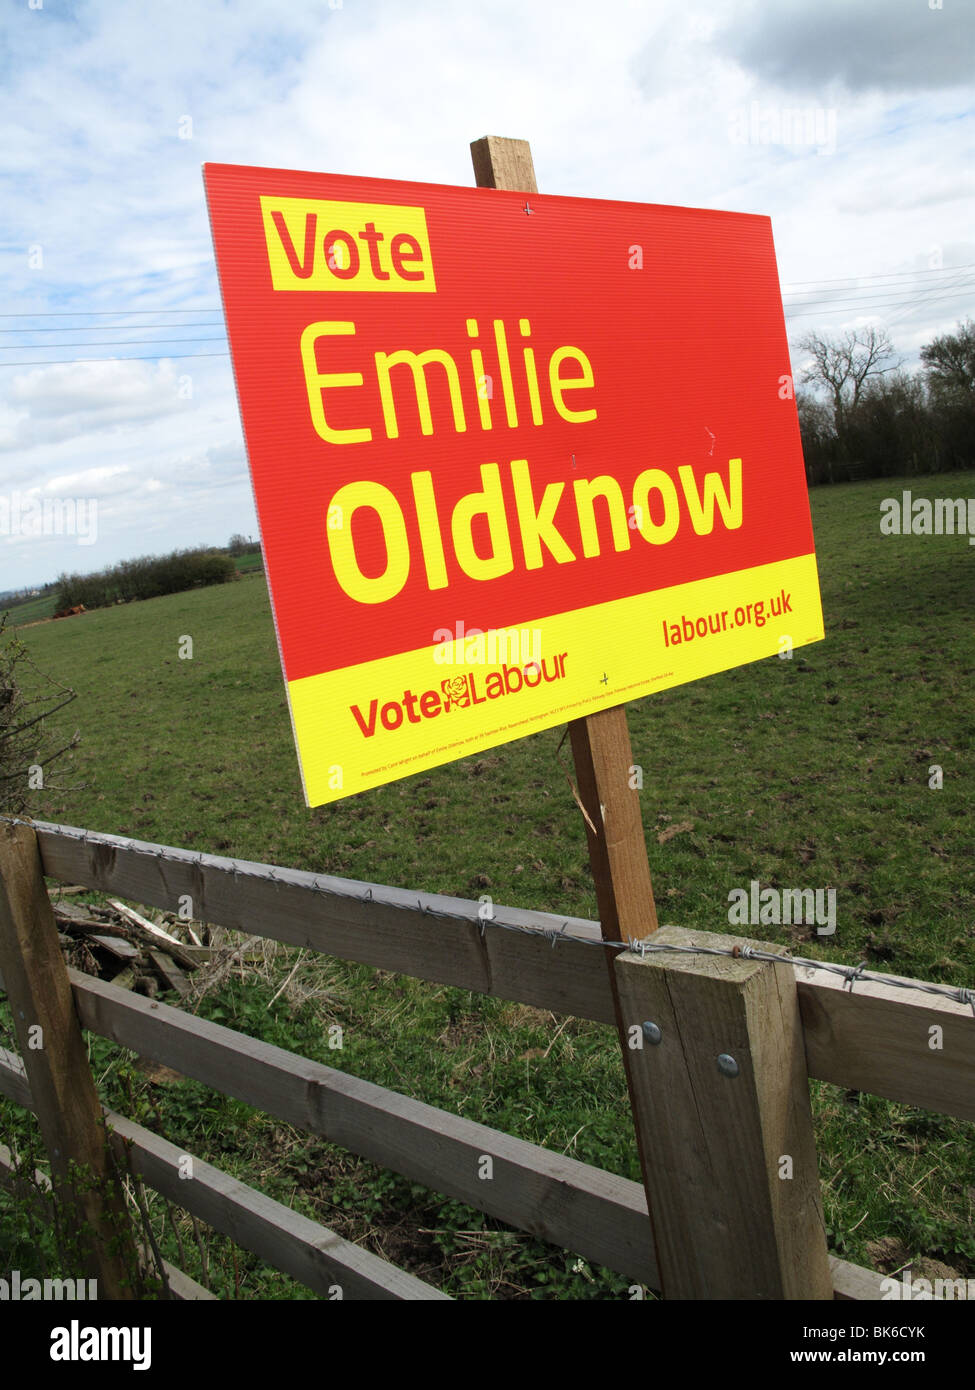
[150, 576]
[864, 417]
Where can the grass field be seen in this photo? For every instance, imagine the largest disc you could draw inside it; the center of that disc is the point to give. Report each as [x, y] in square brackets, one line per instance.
[249, 562]
[34, 610]
[807, 773]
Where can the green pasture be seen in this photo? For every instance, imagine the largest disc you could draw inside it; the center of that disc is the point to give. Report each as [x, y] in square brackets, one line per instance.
[249, 562]
[32, 610]
[813, 772]
[35, 610]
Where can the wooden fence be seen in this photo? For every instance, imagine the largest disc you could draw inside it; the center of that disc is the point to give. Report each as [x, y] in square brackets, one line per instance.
[725, 1223]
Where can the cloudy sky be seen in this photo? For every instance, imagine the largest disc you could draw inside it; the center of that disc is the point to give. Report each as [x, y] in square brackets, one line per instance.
[115, 383]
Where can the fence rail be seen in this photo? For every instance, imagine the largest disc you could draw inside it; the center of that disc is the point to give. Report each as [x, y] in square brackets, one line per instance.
[318, 1258]
[875, 1038]
[180, 1285]
[312, 1254]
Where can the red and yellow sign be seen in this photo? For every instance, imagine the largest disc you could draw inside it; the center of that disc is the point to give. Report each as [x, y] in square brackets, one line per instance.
[515, 459]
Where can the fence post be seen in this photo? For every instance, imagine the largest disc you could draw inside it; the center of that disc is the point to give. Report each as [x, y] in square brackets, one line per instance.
[53, 1050]
[600, 742]
[721, 1104]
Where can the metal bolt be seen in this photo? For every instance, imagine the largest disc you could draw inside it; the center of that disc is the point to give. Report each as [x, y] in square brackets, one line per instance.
[727, 1065]
[652, 1033]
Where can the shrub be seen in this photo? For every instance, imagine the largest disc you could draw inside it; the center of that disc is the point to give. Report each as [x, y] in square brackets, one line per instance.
[27, 749]
[147, 577]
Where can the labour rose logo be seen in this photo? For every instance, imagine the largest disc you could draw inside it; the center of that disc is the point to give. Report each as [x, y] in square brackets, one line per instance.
[456, 691]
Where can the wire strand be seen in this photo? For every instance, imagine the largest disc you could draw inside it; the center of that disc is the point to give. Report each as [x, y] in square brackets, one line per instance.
[852, 975]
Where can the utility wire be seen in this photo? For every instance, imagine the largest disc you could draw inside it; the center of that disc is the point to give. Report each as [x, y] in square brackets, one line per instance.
[937, 270]
[111, 342]
[872, 304]
[788, 288]
[100, 313]
[802, 308]
[886, 295]
[897, 318]
[108, 327]
[80, 361]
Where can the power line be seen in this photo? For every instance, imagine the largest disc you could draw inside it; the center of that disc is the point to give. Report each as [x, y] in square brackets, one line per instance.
[185, 356]
[897, 318]
[859, 304]
[871, 304]
[805, 312]
[893, 274]
[107, 327]
[112, 342]
[818, 311]
[80, 361]
[100, 313]
[836, 296]
[217, 309]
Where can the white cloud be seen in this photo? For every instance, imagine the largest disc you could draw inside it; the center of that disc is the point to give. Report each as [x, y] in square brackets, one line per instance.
[627, 99]
[88, 482]
[50, 404]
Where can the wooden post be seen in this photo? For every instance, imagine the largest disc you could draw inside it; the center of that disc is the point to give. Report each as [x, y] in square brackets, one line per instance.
[502, 163]
[721, 1102]
[53, 1050]
[714, 1149]
[600, 742]
[617, 846]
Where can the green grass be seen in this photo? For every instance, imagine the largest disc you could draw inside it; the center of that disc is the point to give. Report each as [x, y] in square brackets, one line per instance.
[812, 773]
[33, 610]
[36, 610]
[249, 562]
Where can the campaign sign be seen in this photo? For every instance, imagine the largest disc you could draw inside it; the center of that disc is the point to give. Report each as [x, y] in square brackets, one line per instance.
[515, 459]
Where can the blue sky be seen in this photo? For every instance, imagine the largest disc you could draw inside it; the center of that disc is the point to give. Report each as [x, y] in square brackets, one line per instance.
[108, 108]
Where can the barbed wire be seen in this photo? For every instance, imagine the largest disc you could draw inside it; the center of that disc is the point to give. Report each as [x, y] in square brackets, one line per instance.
[554, 935]
[645, 947]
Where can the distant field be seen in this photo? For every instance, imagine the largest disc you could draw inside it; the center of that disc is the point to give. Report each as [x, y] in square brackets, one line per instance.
[247, 563]
[812, 772]
[37, 609]
[33, 611]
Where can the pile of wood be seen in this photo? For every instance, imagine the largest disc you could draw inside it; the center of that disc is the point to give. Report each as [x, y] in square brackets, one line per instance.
[117, 943]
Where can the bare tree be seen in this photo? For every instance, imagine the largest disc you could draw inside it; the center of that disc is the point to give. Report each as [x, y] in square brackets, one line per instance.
[843, 365]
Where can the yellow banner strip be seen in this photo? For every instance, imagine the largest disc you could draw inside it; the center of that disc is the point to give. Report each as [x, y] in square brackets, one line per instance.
[369, 724]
